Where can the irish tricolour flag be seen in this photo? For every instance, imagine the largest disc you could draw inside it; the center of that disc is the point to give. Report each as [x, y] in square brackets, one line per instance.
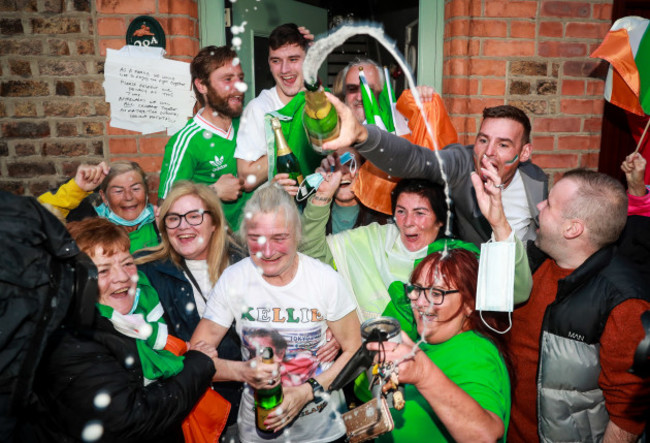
[627, 49]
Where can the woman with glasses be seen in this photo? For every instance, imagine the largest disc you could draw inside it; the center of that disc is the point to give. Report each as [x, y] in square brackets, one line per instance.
[458, 387]
[194, 251]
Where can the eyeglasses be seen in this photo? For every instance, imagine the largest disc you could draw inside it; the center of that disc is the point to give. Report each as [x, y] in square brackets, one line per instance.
[434, 296]
[193, 218]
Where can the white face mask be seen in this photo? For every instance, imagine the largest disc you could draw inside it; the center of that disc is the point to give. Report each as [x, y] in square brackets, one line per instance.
[496, 277]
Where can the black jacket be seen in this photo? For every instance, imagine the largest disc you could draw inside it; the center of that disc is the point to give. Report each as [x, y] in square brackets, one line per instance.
[79, 364]
[177, 298]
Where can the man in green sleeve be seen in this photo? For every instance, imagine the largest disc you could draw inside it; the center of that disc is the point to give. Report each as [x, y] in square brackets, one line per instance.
[203, 150]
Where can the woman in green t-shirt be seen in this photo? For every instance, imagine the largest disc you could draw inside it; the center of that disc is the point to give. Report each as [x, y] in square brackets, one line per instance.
[458, 388]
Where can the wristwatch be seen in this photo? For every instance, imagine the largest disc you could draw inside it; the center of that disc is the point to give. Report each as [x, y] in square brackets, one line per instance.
[317, 389]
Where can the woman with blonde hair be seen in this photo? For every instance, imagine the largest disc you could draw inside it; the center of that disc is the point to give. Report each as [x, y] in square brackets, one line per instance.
[195, 249]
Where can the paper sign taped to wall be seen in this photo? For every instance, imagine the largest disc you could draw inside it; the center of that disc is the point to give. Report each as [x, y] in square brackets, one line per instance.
[147, 92]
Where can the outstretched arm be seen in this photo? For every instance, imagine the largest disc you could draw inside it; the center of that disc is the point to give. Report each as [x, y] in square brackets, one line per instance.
[392, 154]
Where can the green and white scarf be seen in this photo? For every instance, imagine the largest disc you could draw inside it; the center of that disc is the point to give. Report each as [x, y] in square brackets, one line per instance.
[146, 325]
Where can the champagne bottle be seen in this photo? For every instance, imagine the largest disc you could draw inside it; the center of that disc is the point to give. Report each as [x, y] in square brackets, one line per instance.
[286, 160]
[266, 400]
[320, 119]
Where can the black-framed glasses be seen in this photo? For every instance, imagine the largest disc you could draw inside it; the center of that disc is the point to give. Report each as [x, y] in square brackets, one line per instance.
[434, 296]
[193, 218]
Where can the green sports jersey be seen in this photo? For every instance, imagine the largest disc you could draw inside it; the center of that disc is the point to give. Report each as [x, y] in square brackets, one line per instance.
[202, 153]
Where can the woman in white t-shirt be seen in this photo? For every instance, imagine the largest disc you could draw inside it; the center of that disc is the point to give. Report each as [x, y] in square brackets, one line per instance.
[286, 300]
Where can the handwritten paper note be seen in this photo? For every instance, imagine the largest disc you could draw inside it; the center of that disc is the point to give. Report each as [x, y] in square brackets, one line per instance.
[147, 92]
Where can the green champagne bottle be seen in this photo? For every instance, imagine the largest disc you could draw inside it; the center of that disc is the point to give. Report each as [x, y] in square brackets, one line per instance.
[286, 160]
[266, 400]
[320, 119]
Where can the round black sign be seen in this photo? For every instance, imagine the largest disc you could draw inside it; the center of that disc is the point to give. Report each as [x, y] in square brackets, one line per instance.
[145, 31]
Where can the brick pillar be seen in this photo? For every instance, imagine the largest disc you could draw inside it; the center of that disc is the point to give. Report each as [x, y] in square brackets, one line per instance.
[534, 55]
[51, 111]
[179, 20]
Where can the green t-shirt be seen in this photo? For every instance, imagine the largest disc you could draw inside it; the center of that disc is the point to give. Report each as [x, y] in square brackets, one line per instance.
[475, 365]
[202, 153]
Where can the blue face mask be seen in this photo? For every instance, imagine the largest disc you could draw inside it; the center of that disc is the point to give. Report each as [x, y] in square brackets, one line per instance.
[313, 181]
[146, 216]
[309, 185]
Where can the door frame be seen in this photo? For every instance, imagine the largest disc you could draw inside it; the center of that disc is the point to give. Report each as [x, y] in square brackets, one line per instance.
[431, 16]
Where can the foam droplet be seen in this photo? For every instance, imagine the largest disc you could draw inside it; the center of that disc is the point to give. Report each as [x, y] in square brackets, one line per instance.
[189, 307]
[253, 364]
[207, 135]
[102, 400]
[258, 254]
[200, 240]
[241, 86]
[128, 361]
[236, 41]
[248, 215]
[235, 61]
[93, 431]
[261, 240]
[250, 179]
[146, 330]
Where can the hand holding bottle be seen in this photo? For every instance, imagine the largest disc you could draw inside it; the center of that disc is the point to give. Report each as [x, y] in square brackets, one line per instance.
[351, 131]
[260, 375]
[295, 398]
[290, 185]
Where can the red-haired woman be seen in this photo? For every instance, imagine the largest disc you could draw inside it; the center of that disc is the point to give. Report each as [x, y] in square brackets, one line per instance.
[458, 387]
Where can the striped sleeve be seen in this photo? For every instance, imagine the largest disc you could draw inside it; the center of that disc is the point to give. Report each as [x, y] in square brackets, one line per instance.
[178, 162]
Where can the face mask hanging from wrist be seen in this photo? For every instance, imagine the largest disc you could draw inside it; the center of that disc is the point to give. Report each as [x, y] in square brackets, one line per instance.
[311, 183]
[496, 277]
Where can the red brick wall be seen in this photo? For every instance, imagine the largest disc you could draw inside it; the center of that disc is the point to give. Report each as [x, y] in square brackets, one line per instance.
[534, 55]
[52, 110]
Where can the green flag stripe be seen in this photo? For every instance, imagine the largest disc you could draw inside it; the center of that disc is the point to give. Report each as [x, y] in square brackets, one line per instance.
[642, 60]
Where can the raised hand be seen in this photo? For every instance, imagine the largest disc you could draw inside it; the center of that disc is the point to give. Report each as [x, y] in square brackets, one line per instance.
[88, 177]
[634, 168]
[327, 189]
[488, 196]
